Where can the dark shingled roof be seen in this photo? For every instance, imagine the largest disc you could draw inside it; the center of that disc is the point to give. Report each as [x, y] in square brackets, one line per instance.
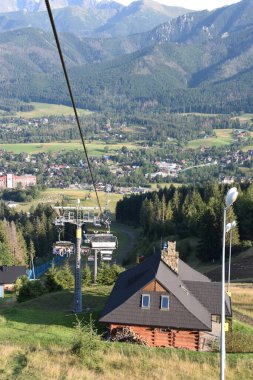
[209, 294]
[8, 275]
[193, 297]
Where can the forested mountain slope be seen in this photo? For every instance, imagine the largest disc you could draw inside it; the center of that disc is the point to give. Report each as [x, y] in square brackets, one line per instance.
[89, 18]
[178, 65]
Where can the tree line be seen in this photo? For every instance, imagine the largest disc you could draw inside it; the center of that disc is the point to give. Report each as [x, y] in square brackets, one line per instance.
[25, 235]
[194, 211]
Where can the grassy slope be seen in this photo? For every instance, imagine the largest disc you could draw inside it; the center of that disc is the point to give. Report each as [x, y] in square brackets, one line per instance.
[52, 196]
[46, 109]
[242, 296]
[223, 137]
[94, 148]
[36, 337]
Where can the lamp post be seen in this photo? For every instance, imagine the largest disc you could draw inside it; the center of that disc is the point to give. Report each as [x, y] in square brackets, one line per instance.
[232, 226]
[230, 199]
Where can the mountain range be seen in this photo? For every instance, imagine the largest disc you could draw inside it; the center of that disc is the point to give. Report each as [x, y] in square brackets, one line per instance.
[88, 18]
[200, 61]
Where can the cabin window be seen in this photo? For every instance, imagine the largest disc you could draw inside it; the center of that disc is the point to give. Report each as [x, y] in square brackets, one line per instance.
[145, 301]
[165, 302]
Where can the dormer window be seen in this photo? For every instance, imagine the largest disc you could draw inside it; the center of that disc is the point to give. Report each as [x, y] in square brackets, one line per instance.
[145, 301]
[165, 302]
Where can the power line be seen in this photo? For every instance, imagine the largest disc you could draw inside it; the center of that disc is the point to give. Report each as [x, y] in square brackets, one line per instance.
[49, 11]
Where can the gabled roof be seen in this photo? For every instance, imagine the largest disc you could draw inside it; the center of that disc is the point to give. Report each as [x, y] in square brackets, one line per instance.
[9, 274]
[193, 297]
[209, 294]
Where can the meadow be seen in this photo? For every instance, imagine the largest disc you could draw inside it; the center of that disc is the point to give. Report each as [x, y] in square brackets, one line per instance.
[93, 148]
[37, 337]
[70, 196]
[222, 137]
[242, 296]
[46, 110]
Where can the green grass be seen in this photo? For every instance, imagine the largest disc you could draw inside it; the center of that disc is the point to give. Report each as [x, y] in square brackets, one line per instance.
[94, 148]
[223, 137]
[48, 319]
[246, 148]
[36, 337]
[242, 297]
[46, 109]
[245, 117]
[242, 327]
[52, 196]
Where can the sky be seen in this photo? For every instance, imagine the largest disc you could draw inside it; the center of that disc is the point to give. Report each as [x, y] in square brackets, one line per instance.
[192, 4]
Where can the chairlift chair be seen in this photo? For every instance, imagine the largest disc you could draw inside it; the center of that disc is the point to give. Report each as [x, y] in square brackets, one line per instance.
[63, 248]
[103, 241]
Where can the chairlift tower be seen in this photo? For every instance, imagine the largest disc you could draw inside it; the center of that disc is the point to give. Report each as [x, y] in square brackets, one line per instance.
[77, 216]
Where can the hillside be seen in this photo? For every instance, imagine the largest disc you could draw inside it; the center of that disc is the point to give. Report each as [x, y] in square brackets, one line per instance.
[37, 336]
[89, 18]
[199, 62]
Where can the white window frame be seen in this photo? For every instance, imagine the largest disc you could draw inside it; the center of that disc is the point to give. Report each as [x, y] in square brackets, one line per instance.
[142, 298]
[165, 308]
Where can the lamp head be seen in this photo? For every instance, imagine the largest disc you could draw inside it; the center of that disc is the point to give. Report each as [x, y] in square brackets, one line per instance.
[228, 227]
[231, 196]
[233, 224]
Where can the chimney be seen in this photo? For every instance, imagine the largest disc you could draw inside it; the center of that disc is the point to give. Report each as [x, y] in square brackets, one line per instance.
[170, 256]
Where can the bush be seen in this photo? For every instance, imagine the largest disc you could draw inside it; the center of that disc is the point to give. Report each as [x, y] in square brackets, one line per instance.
[246, 244]
[20, 282]
[87, 344]
[86, 276]
[31, 289]
[107, 275]
[51, 282]
[64, 277]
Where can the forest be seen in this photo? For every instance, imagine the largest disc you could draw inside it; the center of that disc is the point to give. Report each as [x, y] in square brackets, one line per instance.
[193, 211]
[25, 235]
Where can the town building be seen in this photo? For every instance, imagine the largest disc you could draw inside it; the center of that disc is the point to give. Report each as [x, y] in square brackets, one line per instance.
[166, 303]
[11, 181]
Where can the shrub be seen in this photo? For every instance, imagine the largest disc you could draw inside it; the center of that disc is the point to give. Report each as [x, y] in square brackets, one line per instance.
[31, 289]
[86, 276]
[107, 275]
[20, 282]
[64, 277]
[246, 244]
[87, 344]
[51, 282]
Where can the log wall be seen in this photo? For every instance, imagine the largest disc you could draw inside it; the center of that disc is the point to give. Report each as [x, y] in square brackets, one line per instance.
[160, 337]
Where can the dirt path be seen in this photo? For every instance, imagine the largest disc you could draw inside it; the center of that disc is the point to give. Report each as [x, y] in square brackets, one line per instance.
[127, 237]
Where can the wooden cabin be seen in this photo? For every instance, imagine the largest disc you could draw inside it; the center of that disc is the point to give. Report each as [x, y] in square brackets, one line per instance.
[166, 303]
[8, 275]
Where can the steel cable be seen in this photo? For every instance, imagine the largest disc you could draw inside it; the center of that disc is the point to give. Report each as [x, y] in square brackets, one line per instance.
[49, 11]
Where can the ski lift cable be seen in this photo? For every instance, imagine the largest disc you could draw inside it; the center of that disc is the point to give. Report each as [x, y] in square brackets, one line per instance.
[49, 11]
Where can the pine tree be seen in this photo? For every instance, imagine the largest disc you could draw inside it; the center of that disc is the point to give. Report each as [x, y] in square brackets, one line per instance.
[163, 209]
[86, 276]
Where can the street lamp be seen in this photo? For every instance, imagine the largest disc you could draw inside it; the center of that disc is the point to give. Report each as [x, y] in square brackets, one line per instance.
[230, 199]
[232, 226]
